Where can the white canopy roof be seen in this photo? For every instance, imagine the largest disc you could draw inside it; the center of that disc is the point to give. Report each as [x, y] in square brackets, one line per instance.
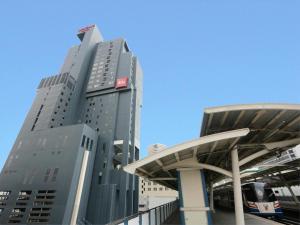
[258, 131]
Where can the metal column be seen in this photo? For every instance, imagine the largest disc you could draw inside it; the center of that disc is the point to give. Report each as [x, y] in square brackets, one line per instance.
[211, 200]
[238, 201]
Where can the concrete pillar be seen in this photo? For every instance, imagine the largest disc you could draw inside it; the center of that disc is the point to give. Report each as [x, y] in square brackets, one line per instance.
[211, 200]
[192, 194]
[238, 200]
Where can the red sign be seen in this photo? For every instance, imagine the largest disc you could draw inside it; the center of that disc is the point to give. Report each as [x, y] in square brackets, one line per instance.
[122, 82]
[85, 29]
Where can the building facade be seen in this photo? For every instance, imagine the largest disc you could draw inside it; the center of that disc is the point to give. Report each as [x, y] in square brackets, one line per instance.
[152, 194]
[83, 127]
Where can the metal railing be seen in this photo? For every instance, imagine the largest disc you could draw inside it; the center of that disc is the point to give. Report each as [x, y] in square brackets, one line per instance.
[154, 216]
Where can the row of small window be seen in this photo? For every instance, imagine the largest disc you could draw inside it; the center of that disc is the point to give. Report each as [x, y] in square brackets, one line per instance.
[98, 83]
[99, 71]
[158, 189]
[100, 78]
[150, 183]
[105, 47]
[25, 192]
[87, 143]
[96, 86]
[34, 217]
[5, 193]
[98, 58]
[101, 65]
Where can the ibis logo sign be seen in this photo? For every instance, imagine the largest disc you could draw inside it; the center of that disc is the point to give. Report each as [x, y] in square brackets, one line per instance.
[122, 82]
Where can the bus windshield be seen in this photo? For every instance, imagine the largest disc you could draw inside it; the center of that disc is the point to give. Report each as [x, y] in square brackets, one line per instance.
[264, 193]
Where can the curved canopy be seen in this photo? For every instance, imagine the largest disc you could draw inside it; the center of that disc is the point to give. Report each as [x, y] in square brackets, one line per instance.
[156, 166]
[258, 131]
[272, 122]
[267, 123]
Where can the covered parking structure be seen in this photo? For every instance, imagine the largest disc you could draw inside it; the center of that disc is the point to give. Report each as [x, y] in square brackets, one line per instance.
[232, 138]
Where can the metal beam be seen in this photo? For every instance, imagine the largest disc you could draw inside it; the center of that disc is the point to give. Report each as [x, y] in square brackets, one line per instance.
[145, 172]
[269, 148]
[297, 119]
[193, 164]
[229, 148]
[211, 116]
[177, 156]
[282, 128]
[257, 116]
[253, 156]
[211, 150]
[159, 162]
[282, 144]
[238, 118]
[275, 118]
[195, 153]
[224, 118]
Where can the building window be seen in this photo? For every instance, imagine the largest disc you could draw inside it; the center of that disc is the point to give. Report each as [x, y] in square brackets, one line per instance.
[54, 174]
[154, 189]
[5, 193]
[83, 140]
[103, 147]
[87, 143]
[91, 145]
[149, 189]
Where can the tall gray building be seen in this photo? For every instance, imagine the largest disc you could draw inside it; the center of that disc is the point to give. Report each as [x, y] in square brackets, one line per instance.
[83, 127]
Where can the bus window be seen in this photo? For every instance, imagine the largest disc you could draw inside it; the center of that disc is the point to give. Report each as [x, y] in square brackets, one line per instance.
[269, 195]
[250, 195]
[264, 193]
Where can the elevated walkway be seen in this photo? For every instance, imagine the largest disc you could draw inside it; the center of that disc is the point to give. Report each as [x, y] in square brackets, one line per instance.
[225, 218]
[228, 218]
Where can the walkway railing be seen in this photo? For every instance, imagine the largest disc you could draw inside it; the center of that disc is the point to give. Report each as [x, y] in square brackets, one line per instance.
[154, 216]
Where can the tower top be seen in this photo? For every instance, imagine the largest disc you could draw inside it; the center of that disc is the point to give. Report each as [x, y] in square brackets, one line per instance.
[83, 30]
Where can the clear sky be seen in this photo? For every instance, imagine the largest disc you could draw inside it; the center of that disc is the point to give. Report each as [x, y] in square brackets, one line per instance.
[194, 54]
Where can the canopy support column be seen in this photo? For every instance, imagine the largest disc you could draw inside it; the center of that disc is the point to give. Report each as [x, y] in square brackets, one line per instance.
[194, 207]
[238, 201]
[211, 199]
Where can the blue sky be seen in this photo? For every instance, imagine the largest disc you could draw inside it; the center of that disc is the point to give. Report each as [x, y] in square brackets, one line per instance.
[194, 54]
